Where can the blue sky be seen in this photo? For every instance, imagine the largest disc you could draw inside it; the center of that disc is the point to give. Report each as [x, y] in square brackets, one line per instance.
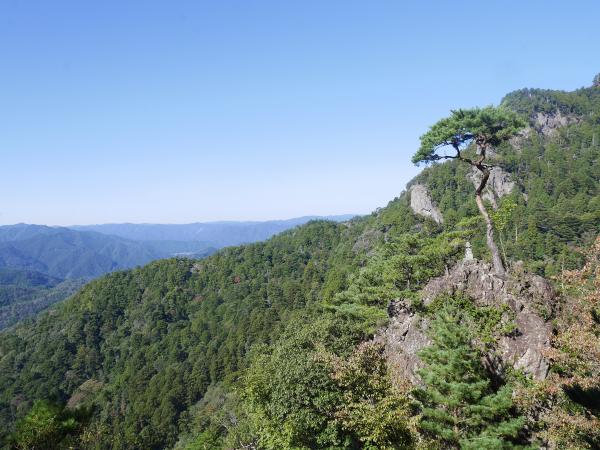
[176, 111]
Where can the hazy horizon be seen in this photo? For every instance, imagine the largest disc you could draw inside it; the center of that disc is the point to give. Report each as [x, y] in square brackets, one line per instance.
[198, 112]
[75, 225]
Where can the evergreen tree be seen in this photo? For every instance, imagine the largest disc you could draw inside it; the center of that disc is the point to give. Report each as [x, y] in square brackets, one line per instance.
[485, 127]
[460, 407]
[45, 427]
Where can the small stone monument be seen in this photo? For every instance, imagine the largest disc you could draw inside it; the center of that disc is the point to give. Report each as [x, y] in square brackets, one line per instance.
[468, 252]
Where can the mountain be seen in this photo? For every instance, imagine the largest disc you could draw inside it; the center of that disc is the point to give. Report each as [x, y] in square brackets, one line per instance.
[390, 331]
[75, 255]
[214, 234]
[23, 231]
[42, 265]
[90, 251]
[23, 293]
[64, 253]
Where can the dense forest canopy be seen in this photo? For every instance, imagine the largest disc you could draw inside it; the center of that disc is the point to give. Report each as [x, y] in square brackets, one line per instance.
[277, 345]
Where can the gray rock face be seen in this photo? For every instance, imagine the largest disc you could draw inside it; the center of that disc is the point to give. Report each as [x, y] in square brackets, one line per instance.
[499, 184]
[529, 299]
[422, 204]
[403, 338]
[547, 124]
[366, 241]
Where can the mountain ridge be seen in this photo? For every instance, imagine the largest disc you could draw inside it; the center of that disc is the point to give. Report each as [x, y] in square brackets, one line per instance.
[268, 345]
[216, 234]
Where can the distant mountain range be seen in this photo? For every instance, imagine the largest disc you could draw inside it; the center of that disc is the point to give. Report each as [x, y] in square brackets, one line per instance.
[213, 234]
[40, 265]
[68, 254]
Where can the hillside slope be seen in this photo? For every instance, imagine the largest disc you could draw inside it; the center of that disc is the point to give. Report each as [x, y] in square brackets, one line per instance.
[79, 254]
[270, 345]
[23, 293]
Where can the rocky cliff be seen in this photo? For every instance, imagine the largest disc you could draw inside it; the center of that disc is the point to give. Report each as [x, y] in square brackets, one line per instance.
[547, 124]
[422, 204]
[527, 300]
[499, 184]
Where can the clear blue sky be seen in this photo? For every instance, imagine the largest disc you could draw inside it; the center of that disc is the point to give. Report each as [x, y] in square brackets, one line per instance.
[173, 111]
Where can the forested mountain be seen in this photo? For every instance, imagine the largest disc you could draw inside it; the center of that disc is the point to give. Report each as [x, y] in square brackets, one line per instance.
[385, 332]
[76, 255]
[42, 265]
[64, 253]
[213, 234]
[23, 293]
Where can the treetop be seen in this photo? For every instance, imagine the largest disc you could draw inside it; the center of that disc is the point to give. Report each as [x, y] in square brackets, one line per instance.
[490, 126]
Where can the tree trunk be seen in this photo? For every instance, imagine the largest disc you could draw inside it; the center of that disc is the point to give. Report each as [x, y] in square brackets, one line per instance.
[496, 259]
[485, 174]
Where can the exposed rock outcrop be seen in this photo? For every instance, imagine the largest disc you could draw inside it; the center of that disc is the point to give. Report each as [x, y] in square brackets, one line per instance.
[422, 204]
[499, 184]
[529, 299]
[548, 123]
[403, 338]
[84, 393]
[366, 241]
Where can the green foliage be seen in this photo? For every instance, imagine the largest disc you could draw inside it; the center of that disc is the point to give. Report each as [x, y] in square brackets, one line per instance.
[528, 102]
[490, 125]
[487, 323]
[372, 409]
[216, 421]
[460, 406]
[158, 336]
[313, 391]
[289, 391]
[400, 268]
[45, 427]
[503, 215]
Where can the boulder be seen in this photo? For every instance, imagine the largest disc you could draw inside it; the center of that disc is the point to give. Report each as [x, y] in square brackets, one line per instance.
[403, 338]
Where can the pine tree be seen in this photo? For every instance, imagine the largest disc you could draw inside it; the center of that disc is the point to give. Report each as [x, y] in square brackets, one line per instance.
[486, 128]
[460, 407]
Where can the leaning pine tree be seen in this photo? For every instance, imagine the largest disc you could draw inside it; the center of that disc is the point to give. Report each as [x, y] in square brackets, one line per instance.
[485, 127]
[460, 407]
